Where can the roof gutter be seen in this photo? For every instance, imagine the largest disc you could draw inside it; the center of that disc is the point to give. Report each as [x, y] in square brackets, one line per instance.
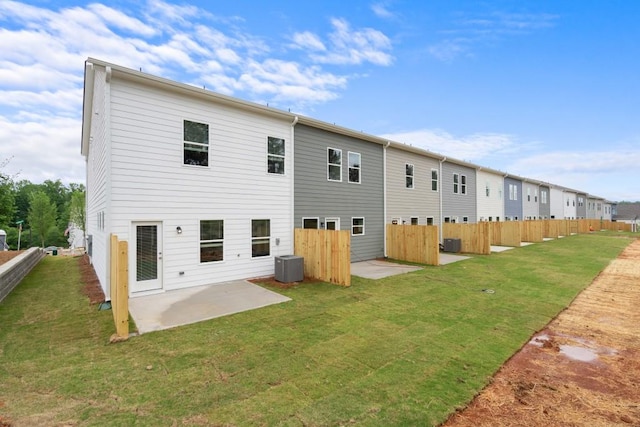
[292, 182]
[87, 107]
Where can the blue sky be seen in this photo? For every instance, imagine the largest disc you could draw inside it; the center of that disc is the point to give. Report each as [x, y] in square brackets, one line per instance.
[548, 90]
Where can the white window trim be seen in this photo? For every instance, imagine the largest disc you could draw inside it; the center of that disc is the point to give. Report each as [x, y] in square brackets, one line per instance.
[261, 238]
[311, 217]
[446, 219]
[416, 218]
[456, 183]
[413, 176]
[465, 219]
[437, 180]
[349, 168]
[200, 241]
[463, 184]
[332, 219]
[333, 164]
[433, 220]
[284, 158]
[208, 144]
[353, 226]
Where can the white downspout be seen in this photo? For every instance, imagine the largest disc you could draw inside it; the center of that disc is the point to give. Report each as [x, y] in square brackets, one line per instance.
[292, 183]
[384, 196]
[441, 180]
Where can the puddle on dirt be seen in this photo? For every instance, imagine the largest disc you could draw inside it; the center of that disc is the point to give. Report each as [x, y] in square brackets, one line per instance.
[539, 340]
[578, 353]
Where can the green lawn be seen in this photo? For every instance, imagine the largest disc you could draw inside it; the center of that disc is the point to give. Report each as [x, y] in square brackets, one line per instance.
[406, 350]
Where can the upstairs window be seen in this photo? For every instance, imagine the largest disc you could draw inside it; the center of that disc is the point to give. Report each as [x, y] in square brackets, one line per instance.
[487, 190]
[275, 155]
[434, 180]
[463, 184]
[528, 194]
[535, 195]
[354, 167]
[211, 240]
[408, 171]
[456, 183]
[334, 164]
[196, 143]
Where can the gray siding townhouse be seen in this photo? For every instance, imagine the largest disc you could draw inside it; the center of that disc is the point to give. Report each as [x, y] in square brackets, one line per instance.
[339, 184]
[545, 202]
[413, 186]
[581, 206]
[459, 202]
[512, 198]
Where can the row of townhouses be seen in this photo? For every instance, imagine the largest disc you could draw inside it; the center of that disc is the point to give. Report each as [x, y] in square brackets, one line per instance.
[207, 188]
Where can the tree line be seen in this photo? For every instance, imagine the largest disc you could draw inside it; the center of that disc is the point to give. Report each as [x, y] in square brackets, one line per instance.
[40, 214]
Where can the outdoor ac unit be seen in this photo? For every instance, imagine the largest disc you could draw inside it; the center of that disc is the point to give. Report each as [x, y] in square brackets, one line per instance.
[452, 245]
[289, 268]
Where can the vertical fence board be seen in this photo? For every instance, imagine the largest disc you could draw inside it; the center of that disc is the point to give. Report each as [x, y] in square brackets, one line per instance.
[474, 238]
[119, 285]
[326, 253]
[413, 243]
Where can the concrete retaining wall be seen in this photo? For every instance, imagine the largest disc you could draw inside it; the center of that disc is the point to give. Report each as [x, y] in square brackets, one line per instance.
[12, 272]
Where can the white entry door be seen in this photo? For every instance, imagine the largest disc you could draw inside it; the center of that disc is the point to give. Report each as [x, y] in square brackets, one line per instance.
[147, 257]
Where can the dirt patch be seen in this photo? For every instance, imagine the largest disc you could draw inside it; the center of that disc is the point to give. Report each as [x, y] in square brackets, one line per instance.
[6, 256]
[583, 369]
[273, 283]
[91, 286]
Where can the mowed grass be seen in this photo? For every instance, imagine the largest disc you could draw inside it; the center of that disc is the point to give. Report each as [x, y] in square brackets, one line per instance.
[406, 350]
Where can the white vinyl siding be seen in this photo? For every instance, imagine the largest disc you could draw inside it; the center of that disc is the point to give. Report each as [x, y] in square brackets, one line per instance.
[489, 194]
[149, 182]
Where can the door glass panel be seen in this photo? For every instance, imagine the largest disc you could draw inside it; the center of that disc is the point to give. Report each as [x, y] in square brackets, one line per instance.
[146, 252]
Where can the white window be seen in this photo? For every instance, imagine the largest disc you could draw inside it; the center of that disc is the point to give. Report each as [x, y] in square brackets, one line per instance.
[528, 194]
[511, 186]
[463, 184]
[465, 219]
[447, 219]
[543, 197]
[354, 167]
[454, 219]
[535, 195]
[456, 179]
[332, 223]
[275, 155]
[211, 240]
[487, 190]
[196, 143]
[408, 171]
[260, 237]
[310, 222]
[357, 226]
[429, 220]
[414, 220]
[434, 180]
[334, 164]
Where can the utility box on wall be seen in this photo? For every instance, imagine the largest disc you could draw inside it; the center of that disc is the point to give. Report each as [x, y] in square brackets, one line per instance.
[452, 245]
[289, 268]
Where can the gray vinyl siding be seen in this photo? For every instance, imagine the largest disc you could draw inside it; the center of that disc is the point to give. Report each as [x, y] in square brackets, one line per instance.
[581, 210]
[317, 197]
[458, 205]
[512, 208]
[545, 208]
[418, 202]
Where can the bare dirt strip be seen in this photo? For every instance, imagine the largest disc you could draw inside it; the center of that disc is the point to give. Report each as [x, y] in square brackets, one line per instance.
[583, 369]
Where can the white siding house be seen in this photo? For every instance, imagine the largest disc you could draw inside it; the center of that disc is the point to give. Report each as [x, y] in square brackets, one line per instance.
[570, 203]
[199, 184]
[530, 200]
[557, 202]
[489, 195]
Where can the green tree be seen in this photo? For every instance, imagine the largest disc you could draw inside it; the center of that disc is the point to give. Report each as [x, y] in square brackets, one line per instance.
[7, 197]
[42, 214]
[78, 210]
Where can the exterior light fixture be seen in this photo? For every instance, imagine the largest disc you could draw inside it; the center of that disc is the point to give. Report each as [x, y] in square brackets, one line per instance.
[179, 230]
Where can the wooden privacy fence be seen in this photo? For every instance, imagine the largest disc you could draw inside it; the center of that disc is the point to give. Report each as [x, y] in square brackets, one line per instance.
[506, 233]
[587, 225]
[413, 243]
[474, 238]
[326, 253]
[119, 286]
[532, 231]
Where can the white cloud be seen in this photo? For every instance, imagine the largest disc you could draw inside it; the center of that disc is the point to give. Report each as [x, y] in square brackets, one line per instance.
[381, 10]
[468, 32]
[308, 40]
[472, 148]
